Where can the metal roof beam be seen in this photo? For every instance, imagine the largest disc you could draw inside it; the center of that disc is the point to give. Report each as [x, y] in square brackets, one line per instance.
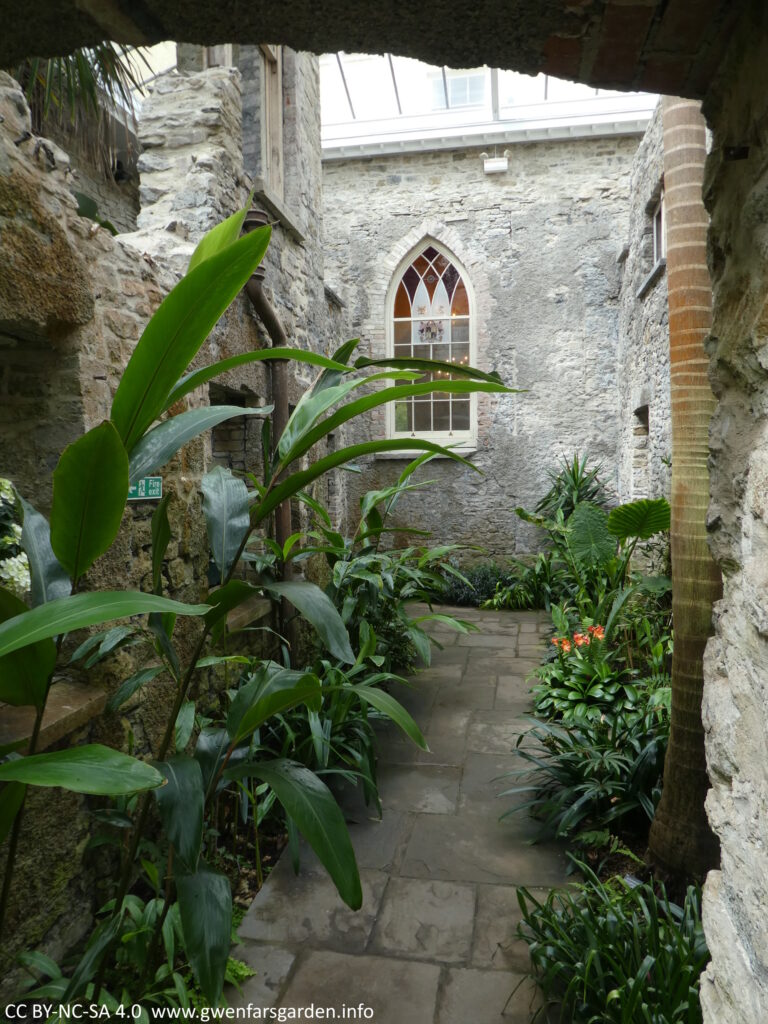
[346, 87]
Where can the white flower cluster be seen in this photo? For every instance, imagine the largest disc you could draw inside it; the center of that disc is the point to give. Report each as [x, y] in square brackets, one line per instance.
[14, 574]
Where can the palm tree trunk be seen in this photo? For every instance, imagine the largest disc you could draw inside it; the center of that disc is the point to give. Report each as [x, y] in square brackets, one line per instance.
[681, 841]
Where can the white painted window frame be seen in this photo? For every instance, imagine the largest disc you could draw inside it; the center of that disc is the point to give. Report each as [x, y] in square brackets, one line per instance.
[465, 440]
[659, 233]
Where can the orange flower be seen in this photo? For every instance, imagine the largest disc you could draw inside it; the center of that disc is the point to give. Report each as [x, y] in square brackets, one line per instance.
[597, 632]
[581, 639]
[565, 645]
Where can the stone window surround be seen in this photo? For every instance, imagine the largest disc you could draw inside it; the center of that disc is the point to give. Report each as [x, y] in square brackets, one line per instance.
[465, 439]
[378, 332]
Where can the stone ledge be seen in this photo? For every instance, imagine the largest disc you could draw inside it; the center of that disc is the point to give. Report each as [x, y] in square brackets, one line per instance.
[411, 454]
[654, 275]
[69, 706]
[252, 610]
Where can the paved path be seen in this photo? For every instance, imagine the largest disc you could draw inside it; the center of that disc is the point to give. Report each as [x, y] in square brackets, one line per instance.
[434, 942]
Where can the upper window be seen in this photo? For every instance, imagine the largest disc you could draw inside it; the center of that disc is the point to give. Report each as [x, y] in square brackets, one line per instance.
[272, 126]
[431, 318]
[451, 88]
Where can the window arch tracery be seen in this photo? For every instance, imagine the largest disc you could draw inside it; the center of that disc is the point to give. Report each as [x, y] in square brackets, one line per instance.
[431, 316]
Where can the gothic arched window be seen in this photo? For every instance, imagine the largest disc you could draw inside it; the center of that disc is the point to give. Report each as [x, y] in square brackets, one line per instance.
[431, 317]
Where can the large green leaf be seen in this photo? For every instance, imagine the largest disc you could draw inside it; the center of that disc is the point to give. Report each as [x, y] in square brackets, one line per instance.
[588, 536]
[199, 377]
[313, 404]
[298, 481]
[175, 333]
[210, 750]
[205, 904]
[318, 609]
[180, 803]
[24, 673]
[218, 238]
[641, 519]
[329, 378]
[48, 578]
[268, 695]
[161, 443]
[11, 800]
[311, 805]
[80, 610]
[429, 366]
[101, 939]
[90, 486]
[225, 506]
[393, 709]
[93, 768]
[350, 410]
[161, 535]
[132, 684]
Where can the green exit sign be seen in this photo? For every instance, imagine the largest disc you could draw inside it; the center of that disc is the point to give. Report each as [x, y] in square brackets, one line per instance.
[149, 488]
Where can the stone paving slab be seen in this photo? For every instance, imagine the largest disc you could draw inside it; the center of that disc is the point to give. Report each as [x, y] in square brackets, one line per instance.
[305, 910]
[435, 941]
[425, 919]
[470, 849]
[401, 991]
[471, 996]
[496, 945]
[426, 789]
[493, 732]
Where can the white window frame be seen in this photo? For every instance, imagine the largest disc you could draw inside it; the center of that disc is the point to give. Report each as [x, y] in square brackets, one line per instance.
[659, 231]
[462, 440]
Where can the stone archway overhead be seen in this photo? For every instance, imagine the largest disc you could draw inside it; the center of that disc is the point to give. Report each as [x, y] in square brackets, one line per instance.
[668, 46]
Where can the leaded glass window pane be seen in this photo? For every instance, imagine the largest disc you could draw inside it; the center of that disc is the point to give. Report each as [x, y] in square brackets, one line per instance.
[431, 321]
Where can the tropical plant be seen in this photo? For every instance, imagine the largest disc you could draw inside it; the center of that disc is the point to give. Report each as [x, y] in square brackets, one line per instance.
[133, 979]
[616, 952]
[573, 484]
[480, 582]
[82, 92]
[339, 735]
[584, 681]
[525, 586]
[595, 772]
[90, 488]
[681, 839]
[373, 586]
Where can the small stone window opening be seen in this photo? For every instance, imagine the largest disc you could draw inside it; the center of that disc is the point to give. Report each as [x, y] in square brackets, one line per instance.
[431, 316]
[640, 442]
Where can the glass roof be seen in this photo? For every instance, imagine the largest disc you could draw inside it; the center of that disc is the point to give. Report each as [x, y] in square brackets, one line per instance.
[388, 101]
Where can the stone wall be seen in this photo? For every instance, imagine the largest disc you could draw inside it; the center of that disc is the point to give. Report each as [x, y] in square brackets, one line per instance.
[540, 246]
[73, 303]
[644, 437]
[735, 989]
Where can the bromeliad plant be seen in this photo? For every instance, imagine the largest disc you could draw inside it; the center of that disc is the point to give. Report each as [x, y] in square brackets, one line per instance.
[90, 488]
